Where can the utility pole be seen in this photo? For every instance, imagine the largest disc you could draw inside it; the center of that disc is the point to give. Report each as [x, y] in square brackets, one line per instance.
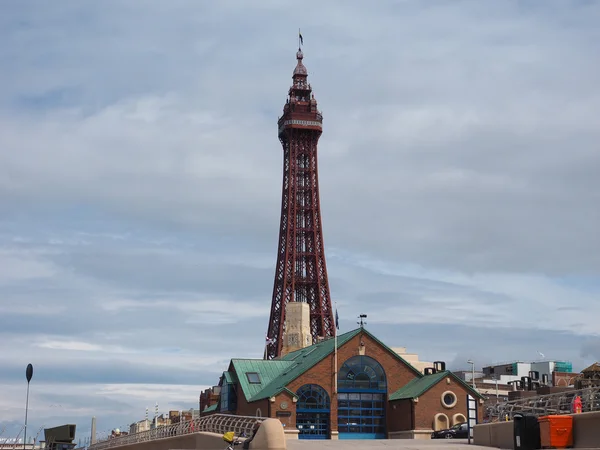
[28, 376]
[472, 372]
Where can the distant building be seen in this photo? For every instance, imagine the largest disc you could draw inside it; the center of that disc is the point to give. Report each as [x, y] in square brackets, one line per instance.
[537, 370]
[412, 359]
[589, 377]
[138, 427]
[467, 375]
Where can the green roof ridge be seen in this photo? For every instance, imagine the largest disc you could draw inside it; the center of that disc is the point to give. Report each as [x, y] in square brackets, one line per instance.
[418, 386]
[211, 408]
[300, 361]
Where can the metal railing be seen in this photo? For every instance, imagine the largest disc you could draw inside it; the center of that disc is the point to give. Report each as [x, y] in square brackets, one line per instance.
[215, 423]
[542, 405]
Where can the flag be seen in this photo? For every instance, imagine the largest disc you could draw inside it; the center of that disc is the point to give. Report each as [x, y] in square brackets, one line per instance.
[301, 38]
[337, 320]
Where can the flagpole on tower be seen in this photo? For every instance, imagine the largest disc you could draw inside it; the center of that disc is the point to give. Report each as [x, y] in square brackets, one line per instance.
[335, 357]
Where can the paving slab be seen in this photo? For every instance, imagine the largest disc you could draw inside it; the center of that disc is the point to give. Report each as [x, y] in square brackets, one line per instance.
[384, 444]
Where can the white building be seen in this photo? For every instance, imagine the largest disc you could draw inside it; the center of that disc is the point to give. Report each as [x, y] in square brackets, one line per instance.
[540, 370]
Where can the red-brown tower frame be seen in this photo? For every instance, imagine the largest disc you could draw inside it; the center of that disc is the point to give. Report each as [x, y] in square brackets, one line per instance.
[301, 272]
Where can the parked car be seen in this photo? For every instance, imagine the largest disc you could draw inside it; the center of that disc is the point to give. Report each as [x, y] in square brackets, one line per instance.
[458, 431]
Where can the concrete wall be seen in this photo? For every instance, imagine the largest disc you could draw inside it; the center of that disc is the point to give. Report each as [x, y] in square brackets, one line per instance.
[498, 434]
[207, 441]
[270, 436]
[586, 432]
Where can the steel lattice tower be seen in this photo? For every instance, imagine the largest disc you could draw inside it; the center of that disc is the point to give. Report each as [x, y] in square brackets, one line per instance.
[301, 272]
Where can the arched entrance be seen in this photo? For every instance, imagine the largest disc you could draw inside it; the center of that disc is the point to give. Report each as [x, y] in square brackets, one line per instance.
[312, 412]
[362, 389]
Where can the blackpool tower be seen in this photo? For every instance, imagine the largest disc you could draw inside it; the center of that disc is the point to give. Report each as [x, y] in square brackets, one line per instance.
[301, 272]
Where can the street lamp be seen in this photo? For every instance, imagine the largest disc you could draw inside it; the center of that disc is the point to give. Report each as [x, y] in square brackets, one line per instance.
[472, 372]
[28, 376]
[496, 378]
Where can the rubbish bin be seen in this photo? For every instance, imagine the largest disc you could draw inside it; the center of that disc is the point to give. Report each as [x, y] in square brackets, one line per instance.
[556, 431]
[526, 432]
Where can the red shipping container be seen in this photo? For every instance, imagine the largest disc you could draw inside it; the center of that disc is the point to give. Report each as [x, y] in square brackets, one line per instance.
[556, 431]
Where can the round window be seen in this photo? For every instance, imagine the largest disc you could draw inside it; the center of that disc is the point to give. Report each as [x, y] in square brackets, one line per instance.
[449, 399]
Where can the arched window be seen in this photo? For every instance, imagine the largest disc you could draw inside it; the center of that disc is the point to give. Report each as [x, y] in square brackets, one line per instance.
[361, 399]
[312, 412]
[312, 396]
[362, 372]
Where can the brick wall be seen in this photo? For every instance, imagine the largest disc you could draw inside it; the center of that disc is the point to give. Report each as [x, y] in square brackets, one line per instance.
[207, 398]
[250, 409]
[278, 411]
[515, 395]
[564, 379]
[401, 417]
[545, 390]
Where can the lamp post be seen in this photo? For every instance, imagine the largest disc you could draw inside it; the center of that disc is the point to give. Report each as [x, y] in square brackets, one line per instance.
[28, 376]
[496, 379]
[472, 372]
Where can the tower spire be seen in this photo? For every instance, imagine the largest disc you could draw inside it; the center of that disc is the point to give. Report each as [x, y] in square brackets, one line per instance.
[301, 271]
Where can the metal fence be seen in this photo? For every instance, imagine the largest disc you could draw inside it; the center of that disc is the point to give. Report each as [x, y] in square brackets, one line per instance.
[215, 423]
[542, 405]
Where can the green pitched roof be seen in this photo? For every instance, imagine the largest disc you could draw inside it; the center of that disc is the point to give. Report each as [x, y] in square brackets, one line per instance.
[230, 377]
[267, 370]
[418, 386]
[276, 374]
[211, 408]
[300, 361]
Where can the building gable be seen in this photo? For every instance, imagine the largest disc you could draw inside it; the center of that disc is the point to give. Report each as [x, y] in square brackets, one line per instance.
[304, 359]
[260, 379]
[419, 386]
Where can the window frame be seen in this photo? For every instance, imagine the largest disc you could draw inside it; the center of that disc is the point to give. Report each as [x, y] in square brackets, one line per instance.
[248, 374]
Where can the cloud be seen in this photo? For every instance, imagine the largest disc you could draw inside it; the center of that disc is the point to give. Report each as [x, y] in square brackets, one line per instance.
[140, 184]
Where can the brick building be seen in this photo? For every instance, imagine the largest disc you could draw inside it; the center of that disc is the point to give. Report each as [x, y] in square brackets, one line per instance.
[376, 393]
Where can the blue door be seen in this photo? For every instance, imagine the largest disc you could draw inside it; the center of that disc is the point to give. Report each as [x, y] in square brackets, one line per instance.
[361, 399]
[312, 412]
[312, 425]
